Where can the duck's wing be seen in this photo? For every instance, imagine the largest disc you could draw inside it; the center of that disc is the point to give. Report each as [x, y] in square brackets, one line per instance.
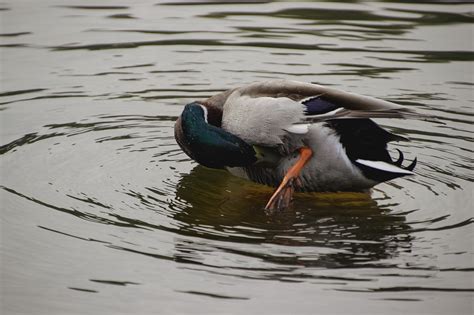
[323, 103]
[262, 112]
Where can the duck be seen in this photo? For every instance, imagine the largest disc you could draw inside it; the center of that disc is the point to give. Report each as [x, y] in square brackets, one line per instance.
[294, 136]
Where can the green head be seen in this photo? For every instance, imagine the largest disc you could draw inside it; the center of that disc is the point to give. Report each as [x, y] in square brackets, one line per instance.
[210, 145]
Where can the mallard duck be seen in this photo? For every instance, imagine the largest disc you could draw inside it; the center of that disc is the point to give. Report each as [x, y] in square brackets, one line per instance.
[294, 136]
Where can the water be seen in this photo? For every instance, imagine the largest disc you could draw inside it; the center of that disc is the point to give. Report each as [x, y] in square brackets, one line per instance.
[103, 214]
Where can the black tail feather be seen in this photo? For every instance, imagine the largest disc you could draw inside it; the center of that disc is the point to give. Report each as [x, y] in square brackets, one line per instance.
[411, 167]
[400, 159]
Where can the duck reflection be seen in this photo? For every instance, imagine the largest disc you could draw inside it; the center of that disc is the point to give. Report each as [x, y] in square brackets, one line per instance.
[349, 227]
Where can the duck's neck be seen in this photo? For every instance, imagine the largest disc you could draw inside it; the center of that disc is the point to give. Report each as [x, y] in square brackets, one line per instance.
[208, 144]
[213, 114]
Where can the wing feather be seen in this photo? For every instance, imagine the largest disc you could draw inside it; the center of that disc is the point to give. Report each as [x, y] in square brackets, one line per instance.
[261, 111]
[354, 105]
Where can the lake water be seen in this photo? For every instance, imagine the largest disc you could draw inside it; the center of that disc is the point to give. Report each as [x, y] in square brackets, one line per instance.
[102, 213]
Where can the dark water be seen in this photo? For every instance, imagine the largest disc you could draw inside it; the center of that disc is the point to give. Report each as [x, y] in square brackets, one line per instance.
[103, 214]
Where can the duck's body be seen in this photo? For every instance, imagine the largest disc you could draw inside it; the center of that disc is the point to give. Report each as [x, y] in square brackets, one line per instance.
[329, 169]
[269, 123]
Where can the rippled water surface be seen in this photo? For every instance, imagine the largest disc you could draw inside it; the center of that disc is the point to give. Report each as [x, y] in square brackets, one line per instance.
[103, 214]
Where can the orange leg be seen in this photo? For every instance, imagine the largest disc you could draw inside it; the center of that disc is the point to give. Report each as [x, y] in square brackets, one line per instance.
[281, 198]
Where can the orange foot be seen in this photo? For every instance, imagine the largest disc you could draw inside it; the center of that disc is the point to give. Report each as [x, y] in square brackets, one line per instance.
[281, 198]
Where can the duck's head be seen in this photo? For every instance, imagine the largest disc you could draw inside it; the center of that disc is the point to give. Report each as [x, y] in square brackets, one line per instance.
[199, 135]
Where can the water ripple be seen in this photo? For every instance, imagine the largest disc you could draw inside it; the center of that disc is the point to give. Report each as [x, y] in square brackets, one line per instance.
[91, 171]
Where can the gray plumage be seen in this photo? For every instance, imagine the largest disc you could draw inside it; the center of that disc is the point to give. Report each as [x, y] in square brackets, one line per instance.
[273, 115]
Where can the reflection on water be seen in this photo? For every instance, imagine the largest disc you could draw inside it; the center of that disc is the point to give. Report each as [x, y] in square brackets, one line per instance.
[99, 201]
[333, 227]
